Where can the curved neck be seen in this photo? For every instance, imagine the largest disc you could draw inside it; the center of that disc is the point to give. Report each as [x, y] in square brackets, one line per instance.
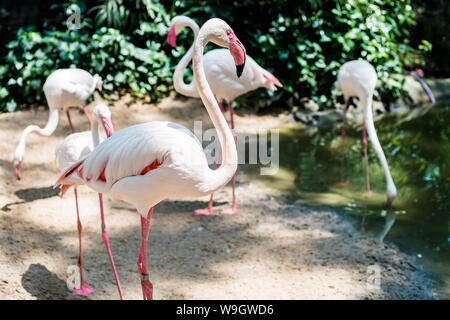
[370, 127]
[215, 179]
[49, 128]
[95, 133]
[186, 89]
[93, 85]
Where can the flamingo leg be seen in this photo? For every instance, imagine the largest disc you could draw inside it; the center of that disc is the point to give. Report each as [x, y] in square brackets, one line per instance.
[84, 290]
[209, 210]
[366, 163]
[233, 208]
[343, 142]
[68, 119]
[87, 114]
[108, 249]
[142, 261]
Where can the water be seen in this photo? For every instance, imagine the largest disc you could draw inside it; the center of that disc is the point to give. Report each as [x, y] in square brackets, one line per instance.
[417, 149]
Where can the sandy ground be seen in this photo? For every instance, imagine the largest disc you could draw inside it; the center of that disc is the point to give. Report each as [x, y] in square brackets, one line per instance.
[269, 250]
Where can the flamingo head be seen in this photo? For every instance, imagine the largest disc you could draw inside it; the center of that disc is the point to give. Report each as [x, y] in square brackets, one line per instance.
[102, 114]
[172, 37]
[419, 72]
[238, 52]
[98, 82]
[177, 25]
[17, 165]
[391, 194]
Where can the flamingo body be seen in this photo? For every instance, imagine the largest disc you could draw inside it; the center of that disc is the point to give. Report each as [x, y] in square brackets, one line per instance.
[147, 163]
[66, 88]
[73, 148]
[358, 79]
[219, 67]
[179, 165]
[62, 89]
[220, 73]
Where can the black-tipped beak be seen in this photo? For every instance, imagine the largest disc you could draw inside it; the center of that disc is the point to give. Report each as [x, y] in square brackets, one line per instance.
[240, 69]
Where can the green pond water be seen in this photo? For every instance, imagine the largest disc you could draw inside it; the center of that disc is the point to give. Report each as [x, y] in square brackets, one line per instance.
[417, 149]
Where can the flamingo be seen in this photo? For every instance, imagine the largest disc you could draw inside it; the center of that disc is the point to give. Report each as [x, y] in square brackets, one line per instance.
[71, 149]
[63, 88]
[225, 85]
[358, 79]
[150, 162]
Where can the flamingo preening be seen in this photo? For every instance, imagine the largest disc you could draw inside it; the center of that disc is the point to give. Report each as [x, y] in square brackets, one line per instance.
[358, 79]
[63, 88]
[147, 163]
[73, 148]
[219, 69]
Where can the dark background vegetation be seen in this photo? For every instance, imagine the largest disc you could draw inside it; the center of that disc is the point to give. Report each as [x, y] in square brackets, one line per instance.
[302, 42]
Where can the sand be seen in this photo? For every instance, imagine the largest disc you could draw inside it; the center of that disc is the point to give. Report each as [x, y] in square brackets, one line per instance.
[268, 250]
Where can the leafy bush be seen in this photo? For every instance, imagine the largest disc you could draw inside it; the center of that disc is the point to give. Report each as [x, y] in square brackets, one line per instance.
[305, 42]
[302, 42]
[433, 24]
[144, 70]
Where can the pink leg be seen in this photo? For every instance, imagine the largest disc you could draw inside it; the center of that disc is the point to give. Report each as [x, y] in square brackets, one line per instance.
[84, 290]
[209, 210]
[87, 114]
[142, 262]
[68, 119]
[366, 163]
[343, 142]
[233, 208]
[108, 249]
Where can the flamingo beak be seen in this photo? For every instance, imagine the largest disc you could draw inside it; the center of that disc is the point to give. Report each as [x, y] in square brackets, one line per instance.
[238, 52]
[108, 126]
[420, 72]
[388, 203]
[99, 87]
[17, 170]
[172, 37]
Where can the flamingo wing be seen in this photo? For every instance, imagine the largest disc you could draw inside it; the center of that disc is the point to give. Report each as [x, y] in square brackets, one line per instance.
[133, 151]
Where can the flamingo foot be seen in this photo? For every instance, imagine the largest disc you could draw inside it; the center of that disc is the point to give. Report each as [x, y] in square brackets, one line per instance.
[147, 288]
[369, 193]
[84, 290]
[204, 212]
[230, 210]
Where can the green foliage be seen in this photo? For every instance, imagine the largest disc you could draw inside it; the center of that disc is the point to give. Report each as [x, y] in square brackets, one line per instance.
[433, 24]
[132, 62]
[305, 42]
[302, 42]
[125, 14]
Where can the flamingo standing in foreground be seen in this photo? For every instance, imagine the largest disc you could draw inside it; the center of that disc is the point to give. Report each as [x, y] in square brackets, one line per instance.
[72, 149]
[358, 79]
[219, 70]
[147, 163]
[63, 88]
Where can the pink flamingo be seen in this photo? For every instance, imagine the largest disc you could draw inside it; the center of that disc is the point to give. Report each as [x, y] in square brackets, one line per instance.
[147, 163]
[63, 88]
[358, 79]
[219, 69]
[73, 148]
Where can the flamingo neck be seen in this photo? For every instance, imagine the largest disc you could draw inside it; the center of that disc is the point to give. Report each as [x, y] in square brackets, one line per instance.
[214, 179]
[94, 84]
[95, 133]
[49, 128]
[186, 89]
[370, 127]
